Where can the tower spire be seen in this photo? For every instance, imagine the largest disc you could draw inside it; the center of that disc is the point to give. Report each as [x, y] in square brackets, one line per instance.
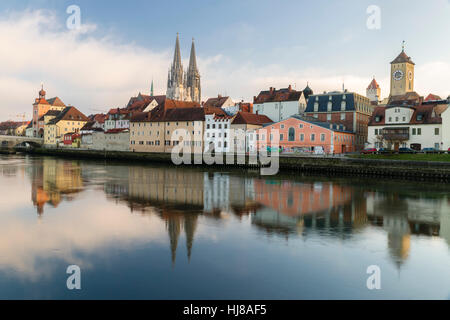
[403, 46]
[193, 59]
[177, 54]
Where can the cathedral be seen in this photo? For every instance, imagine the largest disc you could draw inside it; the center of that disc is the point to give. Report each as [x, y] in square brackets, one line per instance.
[181, 85]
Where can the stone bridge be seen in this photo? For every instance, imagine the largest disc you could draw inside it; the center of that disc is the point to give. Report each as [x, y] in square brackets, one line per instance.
[11, 142]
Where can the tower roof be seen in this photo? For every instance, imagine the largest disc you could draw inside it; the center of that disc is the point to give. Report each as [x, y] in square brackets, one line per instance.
[402, 58]
[193, 59]
[373, 85]
[177, 54]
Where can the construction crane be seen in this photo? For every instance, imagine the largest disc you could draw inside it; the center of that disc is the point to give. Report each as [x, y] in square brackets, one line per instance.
[22, 116]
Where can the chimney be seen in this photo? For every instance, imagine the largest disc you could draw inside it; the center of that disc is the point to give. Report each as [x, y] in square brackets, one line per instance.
[290, 88]
[219, 96]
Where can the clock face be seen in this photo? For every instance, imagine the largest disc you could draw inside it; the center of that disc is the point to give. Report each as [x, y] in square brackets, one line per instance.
[398, 75]
[410, 75]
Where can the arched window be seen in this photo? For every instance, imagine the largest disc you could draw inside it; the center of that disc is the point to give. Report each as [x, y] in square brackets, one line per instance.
[291, 134]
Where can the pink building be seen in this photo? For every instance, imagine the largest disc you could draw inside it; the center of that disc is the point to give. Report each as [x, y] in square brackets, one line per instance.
[306, 134]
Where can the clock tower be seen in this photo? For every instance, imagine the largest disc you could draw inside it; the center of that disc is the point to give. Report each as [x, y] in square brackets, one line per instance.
[402, 74]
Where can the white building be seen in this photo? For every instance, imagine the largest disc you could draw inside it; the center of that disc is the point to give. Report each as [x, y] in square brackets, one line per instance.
[280, 104]
[417, 127]
[217, 133]
[117, 119]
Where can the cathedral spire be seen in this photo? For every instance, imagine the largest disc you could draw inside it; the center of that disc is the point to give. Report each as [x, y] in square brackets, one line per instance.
[193, 59]
[177, 54]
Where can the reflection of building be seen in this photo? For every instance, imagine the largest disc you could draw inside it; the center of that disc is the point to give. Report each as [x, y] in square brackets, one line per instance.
[295, 199]
[54, 180]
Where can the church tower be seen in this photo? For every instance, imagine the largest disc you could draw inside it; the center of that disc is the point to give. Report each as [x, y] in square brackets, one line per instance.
[373, 91]
[176, 82]
[193, 77]
[402, 74]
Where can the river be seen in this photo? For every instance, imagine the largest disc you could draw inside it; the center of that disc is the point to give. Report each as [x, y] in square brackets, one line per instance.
[141, 231]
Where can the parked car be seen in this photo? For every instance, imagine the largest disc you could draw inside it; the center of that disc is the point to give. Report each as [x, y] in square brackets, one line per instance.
[369, 151]
[406, 150]
[429, 150]
[383, 150]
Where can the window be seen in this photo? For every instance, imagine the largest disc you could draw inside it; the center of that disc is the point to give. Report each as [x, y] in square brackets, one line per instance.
[343, 105]
[328, 117]
[302, 137]
[436, 131]
[313, 137]
[376, 132]
[281, 137]
[390, 119]
[291, 134]
[322, 137]
[414, 131]
[301, 126]
[342, 116]
[282, 126]
[419, 131]
[316, 107]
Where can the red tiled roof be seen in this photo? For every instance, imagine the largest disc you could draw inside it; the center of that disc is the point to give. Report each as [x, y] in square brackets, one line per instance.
[373, 85]
[273, 95]
[56, 102]
[251, 118]
[432, 97]
[215, 102]
[117, 130]
[426, 111]
[41, 101]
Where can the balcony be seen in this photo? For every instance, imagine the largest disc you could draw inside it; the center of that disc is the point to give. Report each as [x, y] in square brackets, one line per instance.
[395, 134]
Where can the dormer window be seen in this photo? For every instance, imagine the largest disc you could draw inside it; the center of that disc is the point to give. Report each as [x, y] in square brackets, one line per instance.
[316, 107]
[419, 117]
[377, 119]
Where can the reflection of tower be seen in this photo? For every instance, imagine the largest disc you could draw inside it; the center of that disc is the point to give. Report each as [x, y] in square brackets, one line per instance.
[398, 230]
[190, 226]
[175, 222]
[173, 225]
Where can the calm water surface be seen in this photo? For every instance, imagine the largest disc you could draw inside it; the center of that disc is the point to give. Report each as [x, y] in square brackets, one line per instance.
[152, 232]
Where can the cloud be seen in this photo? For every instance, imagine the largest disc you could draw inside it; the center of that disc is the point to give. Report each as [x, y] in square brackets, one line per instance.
[96, 72]
[81, 69]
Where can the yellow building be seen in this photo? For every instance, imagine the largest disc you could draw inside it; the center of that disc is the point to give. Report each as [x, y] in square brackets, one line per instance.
[70, 120]
[160, 129]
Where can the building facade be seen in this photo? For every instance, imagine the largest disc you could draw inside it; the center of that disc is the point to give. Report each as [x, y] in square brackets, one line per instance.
[280, 104]
[306, 135]
[218, 133]
[348, 109]
[70, 120]
[416, 127]
[40, 107]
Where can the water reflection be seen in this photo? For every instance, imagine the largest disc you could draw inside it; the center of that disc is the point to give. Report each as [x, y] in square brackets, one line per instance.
[141, 202]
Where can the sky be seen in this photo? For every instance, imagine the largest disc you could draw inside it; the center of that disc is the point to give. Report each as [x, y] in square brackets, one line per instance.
[243, 47]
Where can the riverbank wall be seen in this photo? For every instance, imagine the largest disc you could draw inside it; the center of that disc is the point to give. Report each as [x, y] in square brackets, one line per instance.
[416, 170]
